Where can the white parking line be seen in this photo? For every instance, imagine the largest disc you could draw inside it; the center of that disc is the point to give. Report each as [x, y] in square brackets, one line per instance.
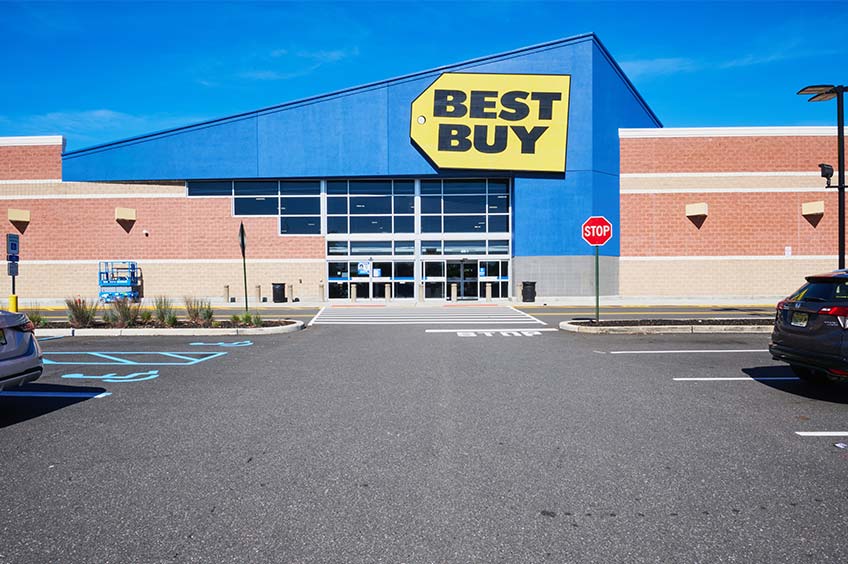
[527, 314]
[26, 394]
[693, 351]
[488, 330]
[738, 379]
[311, 321]
[822, 433]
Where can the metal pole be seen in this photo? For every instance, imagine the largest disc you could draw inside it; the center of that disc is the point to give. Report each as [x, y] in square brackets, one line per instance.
[597, 287]
[840, 144]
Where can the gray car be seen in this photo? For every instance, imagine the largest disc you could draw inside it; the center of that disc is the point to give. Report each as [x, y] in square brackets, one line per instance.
[810, 329]
[20, 354]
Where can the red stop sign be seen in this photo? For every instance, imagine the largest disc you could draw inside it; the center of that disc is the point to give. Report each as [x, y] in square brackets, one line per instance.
[597, 230]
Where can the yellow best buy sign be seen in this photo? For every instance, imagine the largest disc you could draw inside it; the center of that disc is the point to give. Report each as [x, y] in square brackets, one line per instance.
[493, 121]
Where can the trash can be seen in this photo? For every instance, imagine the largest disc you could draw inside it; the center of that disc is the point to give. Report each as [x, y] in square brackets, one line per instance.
[278, 292]
[528, 291]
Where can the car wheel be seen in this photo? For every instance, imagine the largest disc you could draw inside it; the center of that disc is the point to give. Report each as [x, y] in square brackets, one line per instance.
[808, 374]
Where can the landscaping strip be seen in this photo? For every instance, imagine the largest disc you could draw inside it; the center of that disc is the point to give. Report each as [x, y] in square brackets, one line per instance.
[654, 327]
[164, 331]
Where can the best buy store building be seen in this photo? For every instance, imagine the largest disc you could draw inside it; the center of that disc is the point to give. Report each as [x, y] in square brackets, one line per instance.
[454, 183]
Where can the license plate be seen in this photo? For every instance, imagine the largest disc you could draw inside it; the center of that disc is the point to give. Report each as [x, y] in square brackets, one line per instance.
[799, 319]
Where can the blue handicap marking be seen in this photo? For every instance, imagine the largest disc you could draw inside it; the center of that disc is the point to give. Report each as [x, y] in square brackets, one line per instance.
[123, 358]
[224, 344]
[49, 338]
[112, 377]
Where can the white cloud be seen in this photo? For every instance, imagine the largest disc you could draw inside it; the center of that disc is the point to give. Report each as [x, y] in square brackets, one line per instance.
[92, 126]
[658, 67]
[301, 63]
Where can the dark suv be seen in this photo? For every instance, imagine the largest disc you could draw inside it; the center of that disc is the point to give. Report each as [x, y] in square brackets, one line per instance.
[811, 329]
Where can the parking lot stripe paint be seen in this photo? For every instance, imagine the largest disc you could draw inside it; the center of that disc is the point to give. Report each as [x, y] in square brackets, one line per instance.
[49, 338]
[528, 315]
[487, 330]
[738, 378]
[694, 351]
[822, 433]
[114, 358]
[25, 394]
[317, 315]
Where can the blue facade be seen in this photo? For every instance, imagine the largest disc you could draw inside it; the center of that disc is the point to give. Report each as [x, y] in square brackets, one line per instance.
[364, 132]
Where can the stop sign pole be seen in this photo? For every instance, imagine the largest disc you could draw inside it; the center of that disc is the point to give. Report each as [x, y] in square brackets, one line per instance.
[596, 231]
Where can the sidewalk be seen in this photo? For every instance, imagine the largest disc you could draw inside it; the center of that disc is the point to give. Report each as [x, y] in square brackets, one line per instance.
[577, 301]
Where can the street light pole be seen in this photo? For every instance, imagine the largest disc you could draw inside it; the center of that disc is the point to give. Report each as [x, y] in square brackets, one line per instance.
[822, 93]
[840, 148]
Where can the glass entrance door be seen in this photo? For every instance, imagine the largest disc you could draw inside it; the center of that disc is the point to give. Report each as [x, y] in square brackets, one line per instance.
[463, 273]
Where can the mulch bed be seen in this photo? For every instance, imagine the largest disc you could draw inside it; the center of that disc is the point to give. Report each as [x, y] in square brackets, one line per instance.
[223, 324]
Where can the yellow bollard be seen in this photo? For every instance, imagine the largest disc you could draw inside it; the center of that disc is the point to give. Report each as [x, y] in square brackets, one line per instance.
[13, 303]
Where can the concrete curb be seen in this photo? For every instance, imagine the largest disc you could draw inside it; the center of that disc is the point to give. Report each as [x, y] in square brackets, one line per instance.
[665, 329]
[164, 332]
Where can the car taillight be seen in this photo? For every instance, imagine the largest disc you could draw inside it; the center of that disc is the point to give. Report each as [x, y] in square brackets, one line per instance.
[839, 312]
[781, 305]
[27, 327]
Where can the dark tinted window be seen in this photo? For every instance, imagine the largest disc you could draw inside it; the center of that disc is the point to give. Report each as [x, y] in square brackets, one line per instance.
[499, 203]
[378, 187]
[431, 224]
[300, 187]
[405, 224]
[219, 188]
[404, 247]
[264, 188]
[300, 226]
[465, 224]
[371, 205]
[465, 204]
[255, 206]
[431, 186]
[498, 247]
[337, 187]
[337, 224]
[431, 204]
[336, 205]
[499, 186]
[370, 224]
[498, 223]
[370, 248]
[431, 247]
[465, 186]
[404, 204]
[404, 186]
[337, 247]
[822, 291]
[465, 247]
[300, 206]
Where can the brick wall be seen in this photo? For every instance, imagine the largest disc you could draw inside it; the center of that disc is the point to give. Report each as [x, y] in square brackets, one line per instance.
[742, 223]
[726, 154]
[30, 162]
[179, 227]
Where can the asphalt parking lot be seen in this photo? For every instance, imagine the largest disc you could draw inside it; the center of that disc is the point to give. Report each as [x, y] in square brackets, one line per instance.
[421, 443]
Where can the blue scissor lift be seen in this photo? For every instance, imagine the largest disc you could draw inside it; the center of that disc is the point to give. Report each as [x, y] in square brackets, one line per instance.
[119, 279]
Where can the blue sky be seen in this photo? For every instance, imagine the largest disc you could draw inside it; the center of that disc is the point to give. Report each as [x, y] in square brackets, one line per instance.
[98, 72]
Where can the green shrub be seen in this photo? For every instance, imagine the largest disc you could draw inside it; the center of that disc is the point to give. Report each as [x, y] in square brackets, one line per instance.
[246, 318]
[109, 318]
[81, 312]
[206, 314]
[126, 312]
[193, 308]
[257, 320]
[163, 307]
[171, 320]
[236, 320]
[35, 316]
[146, 316]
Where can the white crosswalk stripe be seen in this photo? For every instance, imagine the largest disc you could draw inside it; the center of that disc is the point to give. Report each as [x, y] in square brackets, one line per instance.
[447, 315]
